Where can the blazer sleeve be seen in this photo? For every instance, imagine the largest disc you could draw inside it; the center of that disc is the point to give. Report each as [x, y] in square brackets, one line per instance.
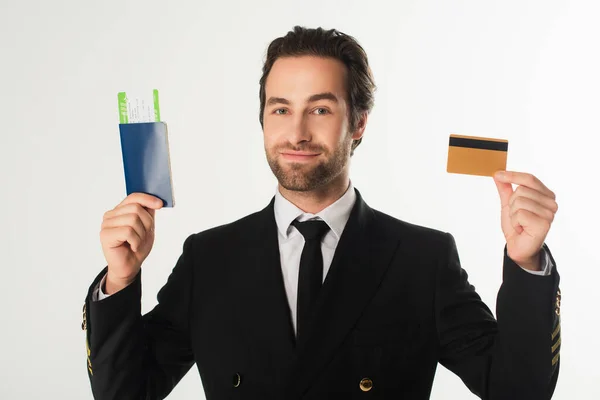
[514, 357]
[131, 356]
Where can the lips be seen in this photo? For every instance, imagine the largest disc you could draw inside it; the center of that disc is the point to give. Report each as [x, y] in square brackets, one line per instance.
[299, 155]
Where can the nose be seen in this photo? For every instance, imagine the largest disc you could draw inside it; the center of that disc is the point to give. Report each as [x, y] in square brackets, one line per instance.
[299, 131]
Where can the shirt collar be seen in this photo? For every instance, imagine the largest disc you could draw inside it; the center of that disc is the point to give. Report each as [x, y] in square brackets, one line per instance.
[335, 215]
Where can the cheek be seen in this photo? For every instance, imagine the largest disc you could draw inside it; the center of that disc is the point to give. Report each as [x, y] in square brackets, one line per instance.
[268, 126]
[270, 140]
[273, 128]
[330, 130]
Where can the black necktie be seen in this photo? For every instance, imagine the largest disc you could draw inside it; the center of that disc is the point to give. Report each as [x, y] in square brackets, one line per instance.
[310, 277]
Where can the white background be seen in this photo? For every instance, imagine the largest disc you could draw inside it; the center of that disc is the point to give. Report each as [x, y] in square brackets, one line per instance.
[527, 71]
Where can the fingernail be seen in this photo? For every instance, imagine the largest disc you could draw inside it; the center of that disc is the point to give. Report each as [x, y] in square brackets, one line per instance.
[500, 175]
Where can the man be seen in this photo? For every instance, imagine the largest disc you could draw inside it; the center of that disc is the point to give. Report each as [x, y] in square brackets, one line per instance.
[318, 295]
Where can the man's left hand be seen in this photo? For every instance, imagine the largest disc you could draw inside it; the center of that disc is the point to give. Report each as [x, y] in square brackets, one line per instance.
[526, 216]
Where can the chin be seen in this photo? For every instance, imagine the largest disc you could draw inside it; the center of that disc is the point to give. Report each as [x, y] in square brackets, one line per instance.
[294, 179]
[296, 185]
[305, 180]
[301, 177]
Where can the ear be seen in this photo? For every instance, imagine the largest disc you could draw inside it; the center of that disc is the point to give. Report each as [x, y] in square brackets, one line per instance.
[360, 127]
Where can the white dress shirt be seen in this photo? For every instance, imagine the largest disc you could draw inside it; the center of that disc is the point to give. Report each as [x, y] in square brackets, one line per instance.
[291, 242]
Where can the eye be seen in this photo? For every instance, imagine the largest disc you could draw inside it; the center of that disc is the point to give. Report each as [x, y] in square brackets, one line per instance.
[321, 111]
[277, 111]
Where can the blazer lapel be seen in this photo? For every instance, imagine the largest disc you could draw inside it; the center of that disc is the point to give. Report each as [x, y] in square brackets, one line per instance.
[264, 309]
[360, 261]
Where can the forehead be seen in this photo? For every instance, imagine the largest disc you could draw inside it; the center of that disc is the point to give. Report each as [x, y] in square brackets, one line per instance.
[300, 77]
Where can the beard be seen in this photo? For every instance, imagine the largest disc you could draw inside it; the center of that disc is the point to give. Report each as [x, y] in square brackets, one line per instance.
[303, 177]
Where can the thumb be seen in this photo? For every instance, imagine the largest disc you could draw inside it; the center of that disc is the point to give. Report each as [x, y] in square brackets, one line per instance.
[505, 190]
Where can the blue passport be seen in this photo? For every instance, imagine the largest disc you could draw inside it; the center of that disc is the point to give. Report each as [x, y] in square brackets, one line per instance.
[146, 160]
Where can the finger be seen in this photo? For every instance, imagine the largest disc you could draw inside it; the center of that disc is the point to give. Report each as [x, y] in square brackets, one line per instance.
[526, 219]
[545, 201]
[145, 214]
[132, 220]
[505, 191]
[115, 237]
[525, 203]
[528, 180]
[146, 200]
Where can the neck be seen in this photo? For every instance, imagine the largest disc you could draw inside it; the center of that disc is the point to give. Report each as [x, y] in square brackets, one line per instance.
[318, 199]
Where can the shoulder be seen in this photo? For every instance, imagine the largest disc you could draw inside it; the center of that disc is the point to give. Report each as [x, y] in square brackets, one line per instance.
[410, 233]
[230, 233]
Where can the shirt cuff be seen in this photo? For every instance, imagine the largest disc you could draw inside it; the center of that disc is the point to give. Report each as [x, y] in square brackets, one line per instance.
[546, 264]
[98, 294]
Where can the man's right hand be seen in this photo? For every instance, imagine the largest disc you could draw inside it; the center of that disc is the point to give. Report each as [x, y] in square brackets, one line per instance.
[127, 236]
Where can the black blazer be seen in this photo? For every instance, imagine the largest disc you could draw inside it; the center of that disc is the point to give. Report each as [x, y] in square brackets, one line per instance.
[394, 303]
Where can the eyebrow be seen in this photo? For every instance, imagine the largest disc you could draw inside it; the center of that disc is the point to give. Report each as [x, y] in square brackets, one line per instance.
[311, 99]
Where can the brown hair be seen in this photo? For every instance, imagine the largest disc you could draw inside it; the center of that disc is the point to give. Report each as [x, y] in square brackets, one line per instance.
[332, 43]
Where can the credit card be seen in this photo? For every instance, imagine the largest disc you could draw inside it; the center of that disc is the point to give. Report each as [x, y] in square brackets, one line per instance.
[474, 155]
[134, 108]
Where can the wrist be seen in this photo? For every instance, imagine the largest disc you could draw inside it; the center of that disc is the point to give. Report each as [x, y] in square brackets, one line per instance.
[531, 264]
[114, 284]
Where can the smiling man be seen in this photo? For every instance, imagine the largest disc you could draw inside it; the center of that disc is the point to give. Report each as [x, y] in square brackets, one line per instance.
[306, 129]
[319, 296]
